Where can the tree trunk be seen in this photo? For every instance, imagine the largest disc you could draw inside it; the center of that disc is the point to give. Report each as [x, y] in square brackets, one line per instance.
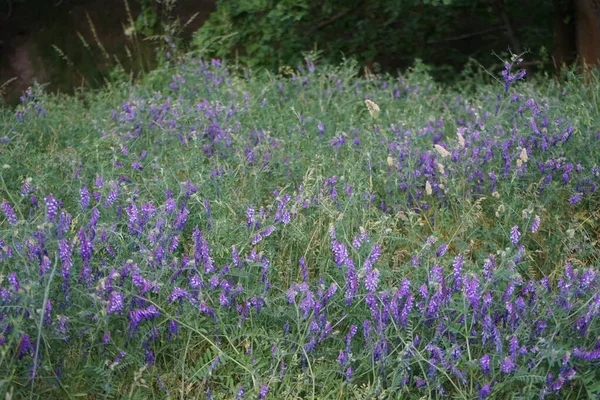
[577, 33]
[587, 17]
[565, 48]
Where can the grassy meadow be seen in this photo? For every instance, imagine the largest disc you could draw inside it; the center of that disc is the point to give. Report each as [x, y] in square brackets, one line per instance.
[215, 233]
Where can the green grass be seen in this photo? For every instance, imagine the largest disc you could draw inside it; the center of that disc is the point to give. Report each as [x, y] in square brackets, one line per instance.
[365, 199]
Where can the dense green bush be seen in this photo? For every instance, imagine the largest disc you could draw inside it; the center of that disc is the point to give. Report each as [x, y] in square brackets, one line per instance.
[392, 33]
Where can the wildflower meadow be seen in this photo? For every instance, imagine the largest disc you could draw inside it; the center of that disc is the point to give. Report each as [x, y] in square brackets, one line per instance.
[220, 233]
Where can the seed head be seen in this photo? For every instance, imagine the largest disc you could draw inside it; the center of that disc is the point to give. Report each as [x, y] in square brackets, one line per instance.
[373, 108]
[442, 151]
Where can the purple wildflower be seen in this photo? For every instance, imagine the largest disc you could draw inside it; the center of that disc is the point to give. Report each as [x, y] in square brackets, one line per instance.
[44, 265]
[515, 235]
[106, 338]
[85, 246]
[457, 271]
[442, 250]
[138, 316]
[65, 251]
[575, 199]
[202, 251]
[117, 360]
[173, 329]
[14, 282]
[508, 366]
[48, 312]
[26, 188]
[535, 225]
[241, 393]
[235, 256]
[115, 303]
[304, 269]
[51, 208]
[343, 358]
[181, 218]
[250, 217]
[9, 213]
[514, 347]
[471, 290]
[485, 364]
[24, 346]
[340, 252]
[371, 280]
[485, 391]
[264, 391]
[178, 294]
[170, 205]
[84, 200]
[134, 219]
[174, 243]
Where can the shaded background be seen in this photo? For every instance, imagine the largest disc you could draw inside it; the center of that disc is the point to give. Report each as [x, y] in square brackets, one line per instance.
[71, 44]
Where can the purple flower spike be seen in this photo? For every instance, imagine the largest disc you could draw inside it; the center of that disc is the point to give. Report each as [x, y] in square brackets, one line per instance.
[515, 235]
[9, 213]
[457, 266]
[264, 391]
[241, 393]
[340, 252]
[181, 218]
[372, 280]
[25, 346]
[343, 358]
[26, 188]
[115, 303]
[84, 198]
[51, 208]
[250, 216]
[508, 366]
[485, 364]
[14, 282]
[535, 225]
[235, 256]
[442, 250]
[485, 391]
[65, 251]
[575, 199]
[106, 338]
[304, 269]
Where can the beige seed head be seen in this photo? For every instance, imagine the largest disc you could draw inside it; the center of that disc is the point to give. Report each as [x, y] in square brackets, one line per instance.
[373, 108]
[390, 161]
[461, 139]
[428, 189]
[442, 151]
[441, 168]
[523, 156]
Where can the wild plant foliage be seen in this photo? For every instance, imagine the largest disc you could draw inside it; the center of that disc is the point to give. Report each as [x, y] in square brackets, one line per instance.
[210, 234]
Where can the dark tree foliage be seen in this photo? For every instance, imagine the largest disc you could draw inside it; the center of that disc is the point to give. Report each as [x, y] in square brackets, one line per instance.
[389, 33]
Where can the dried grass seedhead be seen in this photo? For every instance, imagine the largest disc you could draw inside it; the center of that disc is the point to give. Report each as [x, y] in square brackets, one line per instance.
[441, 151]
[428, 189]
[373, 108]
